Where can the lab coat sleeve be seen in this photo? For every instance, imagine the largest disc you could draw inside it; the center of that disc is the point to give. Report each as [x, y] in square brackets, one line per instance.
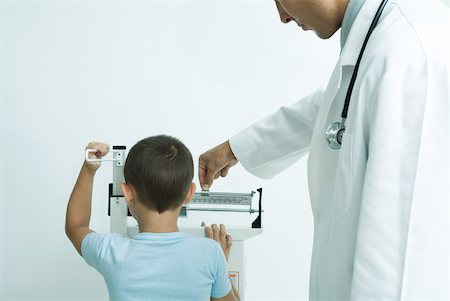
[402, 244]
[277, 141]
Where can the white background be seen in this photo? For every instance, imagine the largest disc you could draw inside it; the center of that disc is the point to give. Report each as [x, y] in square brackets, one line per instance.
[119, 71]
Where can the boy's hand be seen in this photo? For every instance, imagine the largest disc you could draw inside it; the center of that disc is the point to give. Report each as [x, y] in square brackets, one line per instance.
[102, 150]
[221, 236]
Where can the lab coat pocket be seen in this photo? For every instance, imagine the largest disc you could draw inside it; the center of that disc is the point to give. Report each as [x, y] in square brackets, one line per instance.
[343, 181]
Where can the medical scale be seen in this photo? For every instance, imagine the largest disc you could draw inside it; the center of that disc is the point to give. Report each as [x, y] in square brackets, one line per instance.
[205, 206]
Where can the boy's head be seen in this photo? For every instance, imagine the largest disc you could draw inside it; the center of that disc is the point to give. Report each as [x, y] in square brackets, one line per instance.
[160, 169]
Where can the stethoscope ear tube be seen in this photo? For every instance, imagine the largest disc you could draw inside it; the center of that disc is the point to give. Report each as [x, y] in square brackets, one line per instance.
[336, 130]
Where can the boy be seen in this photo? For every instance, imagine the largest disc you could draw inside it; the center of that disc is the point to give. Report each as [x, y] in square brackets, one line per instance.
[160, 263]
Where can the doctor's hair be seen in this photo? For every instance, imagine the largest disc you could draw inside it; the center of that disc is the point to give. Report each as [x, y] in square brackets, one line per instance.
[161, 170]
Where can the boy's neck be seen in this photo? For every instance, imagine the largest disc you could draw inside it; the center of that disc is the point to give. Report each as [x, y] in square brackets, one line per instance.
[154, 222]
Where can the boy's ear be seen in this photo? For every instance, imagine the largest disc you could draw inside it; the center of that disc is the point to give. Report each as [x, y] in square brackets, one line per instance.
[128, 192]
[190, 194]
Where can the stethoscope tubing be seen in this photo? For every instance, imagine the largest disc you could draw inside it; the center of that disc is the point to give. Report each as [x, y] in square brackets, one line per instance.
[358, 62]
[335, 131]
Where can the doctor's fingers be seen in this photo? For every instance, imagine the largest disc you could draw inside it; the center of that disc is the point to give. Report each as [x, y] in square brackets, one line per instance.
[224, 172]
[212, 162]
[202, 176]
[202, 169]
[226, 169]
[207, 174]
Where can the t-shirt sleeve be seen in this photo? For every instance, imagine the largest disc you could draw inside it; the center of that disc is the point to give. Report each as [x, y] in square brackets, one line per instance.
[93, 247]
[222, 285]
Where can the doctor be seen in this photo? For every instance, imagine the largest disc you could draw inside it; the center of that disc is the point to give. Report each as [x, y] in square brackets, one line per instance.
[378, 170]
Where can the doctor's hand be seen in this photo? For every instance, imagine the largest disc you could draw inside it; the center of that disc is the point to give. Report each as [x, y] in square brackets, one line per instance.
[101, 150]
[220, 235]
[214, 163]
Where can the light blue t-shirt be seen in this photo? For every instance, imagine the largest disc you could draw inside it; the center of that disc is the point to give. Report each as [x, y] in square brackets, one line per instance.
[158, 266]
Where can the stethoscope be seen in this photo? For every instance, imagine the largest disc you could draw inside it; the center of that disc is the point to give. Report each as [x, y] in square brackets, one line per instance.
[335, 131]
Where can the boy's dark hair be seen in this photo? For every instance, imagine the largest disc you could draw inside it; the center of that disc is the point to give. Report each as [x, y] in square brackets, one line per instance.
[160, 168]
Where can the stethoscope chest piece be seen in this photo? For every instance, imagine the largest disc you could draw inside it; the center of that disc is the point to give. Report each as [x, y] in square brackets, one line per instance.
[334, 134]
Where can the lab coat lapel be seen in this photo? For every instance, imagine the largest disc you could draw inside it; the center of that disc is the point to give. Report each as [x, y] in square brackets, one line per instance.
[332, 88]
[355, 40]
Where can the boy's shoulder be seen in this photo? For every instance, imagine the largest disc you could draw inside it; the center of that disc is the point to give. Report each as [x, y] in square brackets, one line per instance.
[206, 246]
[105, 237]
[99, 239]
[201, 248]
[115, 240]
[204, 241]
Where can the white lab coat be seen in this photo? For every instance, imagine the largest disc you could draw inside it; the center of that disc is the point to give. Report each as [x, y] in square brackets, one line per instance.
[381, 204]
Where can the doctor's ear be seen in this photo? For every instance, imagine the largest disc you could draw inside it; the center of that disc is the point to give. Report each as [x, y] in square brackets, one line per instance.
[128, 192]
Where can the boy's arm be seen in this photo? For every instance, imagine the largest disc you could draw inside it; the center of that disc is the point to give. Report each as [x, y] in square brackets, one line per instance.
[78, 212]
[232, 296]
[225, 240]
